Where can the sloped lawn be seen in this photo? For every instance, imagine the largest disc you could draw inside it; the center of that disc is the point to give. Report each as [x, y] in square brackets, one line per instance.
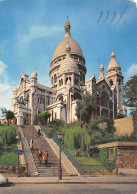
[87, 161]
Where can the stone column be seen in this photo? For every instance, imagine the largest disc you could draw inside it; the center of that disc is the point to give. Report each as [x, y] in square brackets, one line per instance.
[32, 108]
[72, 79]
[113, 100]
[63, 79]
[117, 96]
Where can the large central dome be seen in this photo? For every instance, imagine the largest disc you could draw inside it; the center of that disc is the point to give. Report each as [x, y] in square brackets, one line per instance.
[61, 48]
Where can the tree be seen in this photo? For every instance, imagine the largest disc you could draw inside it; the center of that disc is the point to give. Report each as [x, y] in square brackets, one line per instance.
[131, 100]
[44, 116]
[85, 106]
[131, 92]
[9, 115]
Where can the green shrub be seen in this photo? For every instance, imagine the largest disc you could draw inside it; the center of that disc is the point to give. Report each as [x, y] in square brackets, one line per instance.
[104, 158]
[94, 152]
[56, 124]
[7, 134]
[75, 137]
[96, 138]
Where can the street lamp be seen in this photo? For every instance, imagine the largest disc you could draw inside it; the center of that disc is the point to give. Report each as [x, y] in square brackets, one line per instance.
[60, 135]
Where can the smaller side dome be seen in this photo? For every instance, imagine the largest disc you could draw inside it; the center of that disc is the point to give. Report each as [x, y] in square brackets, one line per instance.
[68, 64]
[15, 89]
[113, 65]
[34, 74]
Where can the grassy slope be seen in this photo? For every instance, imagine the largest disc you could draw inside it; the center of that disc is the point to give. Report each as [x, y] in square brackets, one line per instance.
[87, 161]
[7, 156]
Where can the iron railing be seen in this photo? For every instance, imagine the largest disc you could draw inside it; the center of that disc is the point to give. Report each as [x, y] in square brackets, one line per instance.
[82, 169]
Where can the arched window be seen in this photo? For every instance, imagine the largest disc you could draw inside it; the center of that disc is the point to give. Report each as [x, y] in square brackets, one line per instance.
[104, 99]
[111, 82]
[60, 98]
[75, 81]
[83, 78]
[61, 82]
[119, 82]
[55, 78]
[52, 80]
[66, 80]
[80, 76]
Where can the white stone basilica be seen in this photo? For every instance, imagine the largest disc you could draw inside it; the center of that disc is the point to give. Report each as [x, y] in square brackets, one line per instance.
[67, 74]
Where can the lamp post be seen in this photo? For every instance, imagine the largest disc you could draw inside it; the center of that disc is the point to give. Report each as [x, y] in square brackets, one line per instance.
[60, 135]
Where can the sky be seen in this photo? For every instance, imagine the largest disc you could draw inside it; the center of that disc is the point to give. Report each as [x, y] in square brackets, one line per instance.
[30, 30]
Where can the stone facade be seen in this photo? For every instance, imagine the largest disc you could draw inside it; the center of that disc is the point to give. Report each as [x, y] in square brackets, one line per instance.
[126, 153]
[67, 74]
[123, 155]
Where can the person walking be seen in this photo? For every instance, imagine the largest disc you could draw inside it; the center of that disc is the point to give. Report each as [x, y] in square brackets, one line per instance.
[39, 156]
[31, 143]
[39, 132]
[45, 157]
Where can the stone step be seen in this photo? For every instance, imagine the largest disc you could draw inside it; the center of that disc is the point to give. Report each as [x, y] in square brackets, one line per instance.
[41, 143]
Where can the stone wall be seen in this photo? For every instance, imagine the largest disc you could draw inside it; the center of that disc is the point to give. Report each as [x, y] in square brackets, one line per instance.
[124, 126]
[13, 170]
[127, 157]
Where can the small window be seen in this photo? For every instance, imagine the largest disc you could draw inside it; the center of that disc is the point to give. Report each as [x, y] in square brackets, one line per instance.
[111, 153]
[111, 82]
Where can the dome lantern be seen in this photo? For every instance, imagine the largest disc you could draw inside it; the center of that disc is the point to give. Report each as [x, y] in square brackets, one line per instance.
[67, 28]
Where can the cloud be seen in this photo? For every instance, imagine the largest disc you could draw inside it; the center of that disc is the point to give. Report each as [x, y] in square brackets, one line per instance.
[35, 32]
[132, 70]
[3, 66]
[134, 1]
[5, 88]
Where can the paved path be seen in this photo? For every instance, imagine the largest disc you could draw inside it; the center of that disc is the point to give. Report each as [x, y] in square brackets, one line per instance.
[74, 180]
[70, 189]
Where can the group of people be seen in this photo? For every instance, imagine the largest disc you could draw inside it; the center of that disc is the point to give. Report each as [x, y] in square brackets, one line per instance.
[41, 156]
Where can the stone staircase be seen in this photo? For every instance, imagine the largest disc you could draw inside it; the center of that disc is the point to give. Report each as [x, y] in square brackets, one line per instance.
[41, 143]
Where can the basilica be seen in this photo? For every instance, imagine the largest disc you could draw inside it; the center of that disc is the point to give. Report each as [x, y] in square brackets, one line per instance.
[67, 75]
